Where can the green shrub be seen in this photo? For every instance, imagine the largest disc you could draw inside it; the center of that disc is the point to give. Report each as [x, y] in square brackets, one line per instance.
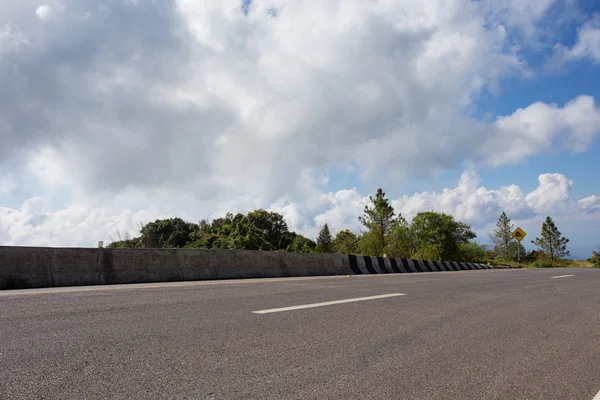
[595, 259]
[426, 252]
[544, 264]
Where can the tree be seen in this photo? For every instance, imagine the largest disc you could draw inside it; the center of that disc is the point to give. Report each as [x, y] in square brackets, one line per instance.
[272, 228]
[324, 240]
[502, 236]
[513, 247]
[167, 233]
[124, 241]
[300, 244]
[378, 219]
[258, 230]
[552, 243]
[437, 236]
[532, 256]
[473, 252]
[399, 239]
[595, 260]
[345, 242]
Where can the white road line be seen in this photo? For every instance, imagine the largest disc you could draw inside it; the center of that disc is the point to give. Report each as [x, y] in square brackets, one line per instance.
[328, 303]
[159, 285]
[560, 276]
[597, 397]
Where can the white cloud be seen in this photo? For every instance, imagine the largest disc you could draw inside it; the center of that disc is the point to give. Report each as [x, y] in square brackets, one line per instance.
[552, 194]
[523, 15]
[590, 203]
[44, 11]
[220, 111]
[542, 127]
[587, 45]
[479, 206]
[83, 225]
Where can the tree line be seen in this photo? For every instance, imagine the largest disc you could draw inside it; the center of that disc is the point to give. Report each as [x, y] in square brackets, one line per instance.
[429, 235]
[551, 245]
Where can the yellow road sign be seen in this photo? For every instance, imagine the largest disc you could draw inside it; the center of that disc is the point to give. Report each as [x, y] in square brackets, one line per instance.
[519, 234]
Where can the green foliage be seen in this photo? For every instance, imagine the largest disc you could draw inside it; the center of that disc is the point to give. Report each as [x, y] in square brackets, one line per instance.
[368, 244]
[258, 230]
[513, 247]
[502, 237]
[324, 240]
[545, 264]
[595, 259]
[427, 251]
[346, 242]
[399, 239]
[167, 233]
[379, 220]
[473, 252]
[552, 243]
[125, 244]
[272, 227]
[430, 236]
[431, 230]
[300, 244]
[532, 256]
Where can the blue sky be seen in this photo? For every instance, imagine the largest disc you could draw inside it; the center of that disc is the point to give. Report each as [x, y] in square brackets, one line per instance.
[305, 111]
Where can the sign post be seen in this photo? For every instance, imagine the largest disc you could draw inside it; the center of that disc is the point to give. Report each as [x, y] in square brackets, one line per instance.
[519, 234]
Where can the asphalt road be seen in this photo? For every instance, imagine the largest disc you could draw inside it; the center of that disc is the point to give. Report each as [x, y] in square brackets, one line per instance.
[501, 334]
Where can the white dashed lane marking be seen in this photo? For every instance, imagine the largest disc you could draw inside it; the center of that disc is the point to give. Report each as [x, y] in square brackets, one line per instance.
[328, 303]
[561, 276]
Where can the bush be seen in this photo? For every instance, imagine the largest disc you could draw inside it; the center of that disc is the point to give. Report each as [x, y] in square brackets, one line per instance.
[500, 261]
[595, 259]
[473, 252]
[545, 264]
[426, 252]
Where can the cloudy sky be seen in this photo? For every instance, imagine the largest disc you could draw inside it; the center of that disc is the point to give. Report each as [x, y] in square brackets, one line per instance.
[118, 112]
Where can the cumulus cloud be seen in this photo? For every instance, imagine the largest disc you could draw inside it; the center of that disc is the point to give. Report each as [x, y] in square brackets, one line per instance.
[224, 108]
[479, 206]
[541, 127]
[219, 95]
[587, 45]
[82, 225]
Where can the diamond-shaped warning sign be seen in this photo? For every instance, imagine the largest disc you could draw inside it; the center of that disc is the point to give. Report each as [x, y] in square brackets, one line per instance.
[519, 234]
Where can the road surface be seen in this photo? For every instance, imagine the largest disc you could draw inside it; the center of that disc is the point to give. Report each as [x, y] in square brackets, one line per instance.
[497, 334]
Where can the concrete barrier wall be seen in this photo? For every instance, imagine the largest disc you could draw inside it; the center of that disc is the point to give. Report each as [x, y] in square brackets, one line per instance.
[34, 267]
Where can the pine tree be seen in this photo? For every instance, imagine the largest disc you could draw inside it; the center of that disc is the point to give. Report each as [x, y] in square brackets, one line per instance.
[552, 243]
[379, 220]
[502, 236]
[324, 240]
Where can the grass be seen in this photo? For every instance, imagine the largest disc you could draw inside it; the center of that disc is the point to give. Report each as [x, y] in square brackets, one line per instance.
[562, 264]
[502, 262]
[544, 264]
[581, 264]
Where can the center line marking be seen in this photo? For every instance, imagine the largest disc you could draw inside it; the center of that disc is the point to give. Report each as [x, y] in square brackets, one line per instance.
[328, 303]
[560, 276]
